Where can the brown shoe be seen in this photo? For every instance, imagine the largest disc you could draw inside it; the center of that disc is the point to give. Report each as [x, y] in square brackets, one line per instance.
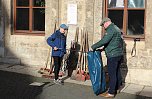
[103, 94]
[108, 95]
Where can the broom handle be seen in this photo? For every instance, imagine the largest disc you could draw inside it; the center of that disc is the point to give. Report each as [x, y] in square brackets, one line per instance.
[80, 55]
[46, 64]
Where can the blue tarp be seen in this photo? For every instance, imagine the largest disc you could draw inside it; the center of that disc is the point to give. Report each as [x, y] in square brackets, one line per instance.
[96, 72]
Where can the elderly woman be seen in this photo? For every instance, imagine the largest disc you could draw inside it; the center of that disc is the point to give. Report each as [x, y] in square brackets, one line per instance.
[58, 43]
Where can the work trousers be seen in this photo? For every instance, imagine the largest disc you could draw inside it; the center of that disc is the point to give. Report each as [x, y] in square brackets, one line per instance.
[57, 64]
[115, 78]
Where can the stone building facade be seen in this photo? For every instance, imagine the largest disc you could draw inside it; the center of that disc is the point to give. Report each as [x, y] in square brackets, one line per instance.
[33, 50]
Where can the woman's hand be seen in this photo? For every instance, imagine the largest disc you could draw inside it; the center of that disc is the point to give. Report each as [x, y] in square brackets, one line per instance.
[55, 48]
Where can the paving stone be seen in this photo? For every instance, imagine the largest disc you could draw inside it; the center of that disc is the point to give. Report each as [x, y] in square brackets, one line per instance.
[30, 71]
[4, 65]
[134, 89]
[147, 91]
[87, 82]
[14, 68]
[125, 85]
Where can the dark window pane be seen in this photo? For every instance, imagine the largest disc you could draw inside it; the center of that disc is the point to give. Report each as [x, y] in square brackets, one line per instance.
[22, 19]
[1, 27]
[38, 19]
[136, 3]
[22, 2]
[39, 3]
[115, 3]
[116, 17]
[0, 13]
[135, 23]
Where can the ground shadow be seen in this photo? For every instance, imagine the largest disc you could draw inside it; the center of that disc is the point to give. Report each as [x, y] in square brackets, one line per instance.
[17, 86]
[139, 96]
[73, 59]
[124, 67]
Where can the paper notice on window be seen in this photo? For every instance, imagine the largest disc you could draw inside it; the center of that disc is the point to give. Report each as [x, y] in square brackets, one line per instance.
[72, 14]
[120, 3]
[117, 3]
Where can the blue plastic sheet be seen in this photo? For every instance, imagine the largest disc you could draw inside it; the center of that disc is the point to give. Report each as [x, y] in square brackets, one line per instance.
[96, 72]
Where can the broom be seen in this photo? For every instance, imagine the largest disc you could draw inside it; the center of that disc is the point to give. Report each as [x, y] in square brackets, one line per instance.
[45, 70]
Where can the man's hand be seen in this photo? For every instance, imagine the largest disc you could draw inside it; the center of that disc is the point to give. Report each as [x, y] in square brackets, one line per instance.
[55, 48]
[91, 49]
[101, 48]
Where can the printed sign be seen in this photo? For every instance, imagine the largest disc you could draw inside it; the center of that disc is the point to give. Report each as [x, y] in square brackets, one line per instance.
[72, 14]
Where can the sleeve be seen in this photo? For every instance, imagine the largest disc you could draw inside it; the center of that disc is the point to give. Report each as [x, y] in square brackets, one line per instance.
[105, 40]
[50, 40]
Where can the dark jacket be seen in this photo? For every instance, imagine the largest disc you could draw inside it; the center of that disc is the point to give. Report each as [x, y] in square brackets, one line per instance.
[58, 40]
[112, 42]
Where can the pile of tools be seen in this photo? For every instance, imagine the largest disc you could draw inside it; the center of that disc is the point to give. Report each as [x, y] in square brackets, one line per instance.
[81, 71]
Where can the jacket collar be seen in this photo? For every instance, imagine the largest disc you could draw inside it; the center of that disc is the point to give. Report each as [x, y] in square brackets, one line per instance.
[111, 25]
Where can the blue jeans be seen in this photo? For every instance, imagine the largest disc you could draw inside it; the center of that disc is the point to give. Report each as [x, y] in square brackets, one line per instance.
[115, 79]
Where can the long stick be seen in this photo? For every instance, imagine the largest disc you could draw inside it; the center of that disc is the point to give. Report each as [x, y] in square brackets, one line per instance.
[80, 55]
[87, 49]
[83, 51]
[52, 61]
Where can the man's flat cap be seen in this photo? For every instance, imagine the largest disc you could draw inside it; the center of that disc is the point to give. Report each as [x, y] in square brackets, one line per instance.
[106, 19]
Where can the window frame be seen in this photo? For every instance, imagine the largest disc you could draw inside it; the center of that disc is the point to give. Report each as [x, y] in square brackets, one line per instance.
[30, 31]
[125, 9]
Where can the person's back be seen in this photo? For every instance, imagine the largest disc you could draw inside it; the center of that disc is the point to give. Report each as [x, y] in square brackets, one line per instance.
[115, 45]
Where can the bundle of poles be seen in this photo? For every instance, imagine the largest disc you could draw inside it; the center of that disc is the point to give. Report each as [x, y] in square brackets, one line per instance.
[81, 71]
[82, 65]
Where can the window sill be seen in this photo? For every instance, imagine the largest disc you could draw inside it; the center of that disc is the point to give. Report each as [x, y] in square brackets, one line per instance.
[32, 34]
[132, 37]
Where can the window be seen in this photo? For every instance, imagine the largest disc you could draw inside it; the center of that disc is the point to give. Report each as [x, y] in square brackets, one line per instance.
[1, 27]
[29, 17]
[128, 15]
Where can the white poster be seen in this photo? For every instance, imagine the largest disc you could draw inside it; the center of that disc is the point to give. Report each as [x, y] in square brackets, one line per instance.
[72, 14]
[116, 3]
[120, 3]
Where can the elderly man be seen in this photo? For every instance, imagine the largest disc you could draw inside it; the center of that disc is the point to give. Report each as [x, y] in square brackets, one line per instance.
[113, 45]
